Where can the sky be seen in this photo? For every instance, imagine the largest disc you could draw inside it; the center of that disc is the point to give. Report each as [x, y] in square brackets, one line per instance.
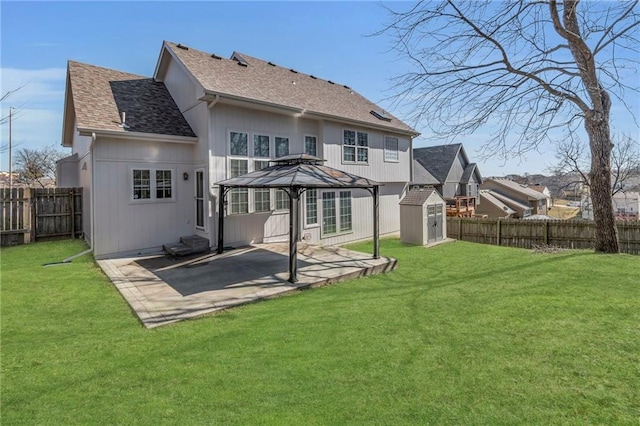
[329, 39]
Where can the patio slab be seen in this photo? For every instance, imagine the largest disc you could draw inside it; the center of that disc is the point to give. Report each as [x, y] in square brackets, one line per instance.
[162, 290]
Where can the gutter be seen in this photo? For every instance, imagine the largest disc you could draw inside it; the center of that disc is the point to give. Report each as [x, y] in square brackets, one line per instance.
[155, 137]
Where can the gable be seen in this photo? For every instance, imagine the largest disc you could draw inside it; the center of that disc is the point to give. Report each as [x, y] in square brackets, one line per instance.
[437, 160]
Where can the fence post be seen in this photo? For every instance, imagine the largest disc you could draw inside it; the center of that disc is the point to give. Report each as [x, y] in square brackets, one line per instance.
[545, 232]
[33, 206]
[498, 232]
[73, 215]
[459, 229]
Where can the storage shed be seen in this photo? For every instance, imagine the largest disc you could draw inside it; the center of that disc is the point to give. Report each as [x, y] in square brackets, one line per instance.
[422, 216]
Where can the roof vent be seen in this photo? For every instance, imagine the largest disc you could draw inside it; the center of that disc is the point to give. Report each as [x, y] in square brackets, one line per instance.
[313, 77]
[214, 56]
[239, 59]
[271, 63]
[346, 87]
[181, 46]
[293, 71]
[123, 124]
[330, 82]
[380, 115]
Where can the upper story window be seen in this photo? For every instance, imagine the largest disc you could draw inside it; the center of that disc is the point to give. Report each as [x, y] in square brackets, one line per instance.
[390, 149]
[311, 145]
[355, 147]
[239, 144]
[282, 147]
[261, 146]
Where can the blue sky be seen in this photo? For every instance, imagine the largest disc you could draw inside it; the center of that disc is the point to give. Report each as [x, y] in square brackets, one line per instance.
[327, 39]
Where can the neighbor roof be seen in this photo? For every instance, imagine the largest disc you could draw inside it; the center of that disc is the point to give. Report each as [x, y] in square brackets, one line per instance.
[488, 196]
[422, 176]
[100, 95]
[524, 189]
[251, 79]
[437, 160]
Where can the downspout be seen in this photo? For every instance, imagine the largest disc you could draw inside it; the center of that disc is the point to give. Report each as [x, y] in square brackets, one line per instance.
[93, 192]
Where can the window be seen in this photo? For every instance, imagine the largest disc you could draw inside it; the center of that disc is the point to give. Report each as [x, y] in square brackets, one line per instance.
[239, 196]
[329, 213]
[311, 206]
[261, 146]
[141, 184]
[390, 149]
[311, 145]
[200, 199]
[355, 147]
[345, 211]
[260, 164]
[151, 184]
[336, 217]
[262, 200]
[238, 144]
[282, 200]
[163, 183]
[282, 147]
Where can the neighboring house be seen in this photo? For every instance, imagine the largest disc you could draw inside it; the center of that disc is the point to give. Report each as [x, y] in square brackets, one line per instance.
[491, 206]
[507, 190]
[626, 205]
[148, 151]
[447, 168]
[543, 190]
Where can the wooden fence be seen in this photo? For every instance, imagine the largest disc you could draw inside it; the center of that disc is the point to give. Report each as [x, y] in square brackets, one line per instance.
[35, 214]
[577, 234]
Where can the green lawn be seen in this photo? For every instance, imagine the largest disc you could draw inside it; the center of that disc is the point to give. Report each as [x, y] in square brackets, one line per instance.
[458, 334]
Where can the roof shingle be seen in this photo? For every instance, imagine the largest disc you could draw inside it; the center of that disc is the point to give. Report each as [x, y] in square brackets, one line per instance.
[101, 95]
[266, 82]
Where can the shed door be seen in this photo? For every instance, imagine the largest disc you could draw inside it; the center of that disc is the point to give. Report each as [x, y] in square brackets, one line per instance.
[434, 223]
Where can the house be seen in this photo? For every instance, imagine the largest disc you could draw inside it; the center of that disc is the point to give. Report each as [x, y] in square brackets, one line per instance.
[422, 216]
[492, 207]
[543, 190]
[626, 205]
[511, 192]
[149, 150]
[448, 170]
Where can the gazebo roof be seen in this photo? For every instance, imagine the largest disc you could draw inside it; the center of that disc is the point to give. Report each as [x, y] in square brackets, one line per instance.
[298, 170]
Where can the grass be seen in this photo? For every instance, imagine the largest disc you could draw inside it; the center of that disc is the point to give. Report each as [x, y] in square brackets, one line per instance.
[458, 334]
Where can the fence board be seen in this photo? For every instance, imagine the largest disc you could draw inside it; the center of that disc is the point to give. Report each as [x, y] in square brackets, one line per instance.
[527, 233]
[29, 214]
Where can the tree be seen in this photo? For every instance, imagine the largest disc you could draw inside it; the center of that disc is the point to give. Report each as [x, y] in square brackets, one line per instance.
[526, 67]
[574, 160]
[37, 166]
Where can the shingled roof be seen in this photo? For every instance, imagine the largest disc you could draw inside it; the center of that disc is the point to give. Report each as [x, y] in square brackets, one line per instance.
[437, 160]
[244, 77]
[99, 96]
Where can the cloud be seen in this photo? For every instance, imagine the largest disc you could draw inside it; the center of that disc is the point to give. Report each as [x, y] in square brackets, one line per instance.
[36, 86]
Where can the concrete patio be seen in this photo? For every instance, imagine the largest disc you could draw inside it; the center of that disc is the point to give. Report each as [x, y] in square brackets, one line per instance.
[163, 290]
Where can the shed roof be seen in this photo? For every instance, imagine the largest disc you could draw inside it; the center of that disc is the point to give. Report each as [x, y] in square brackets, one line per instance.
[418, 196]
[244, 77]
[298, 170]
[99, 96]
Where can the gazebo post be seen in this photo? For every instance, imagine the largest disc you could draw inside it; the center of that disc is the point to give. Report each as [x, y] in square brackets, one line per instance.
[294, 199]
[221, 220]
[376, 220]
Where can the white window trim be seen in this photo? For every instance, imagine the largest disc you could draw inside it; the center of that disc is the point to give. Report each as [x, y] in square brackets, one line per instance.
[152, 187]
[338, 233]
[304, 144]
[384, 148]
[304, 208]
[205, 200]
[361, 163]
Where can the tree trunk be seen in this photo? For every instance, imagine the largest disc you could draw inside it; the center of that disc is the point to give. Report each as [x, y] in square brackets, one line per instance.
[597, 128]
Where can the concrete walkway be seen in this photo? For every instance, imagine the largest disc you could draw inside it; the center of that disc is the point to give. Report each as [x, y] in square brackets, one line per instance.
[163, 290]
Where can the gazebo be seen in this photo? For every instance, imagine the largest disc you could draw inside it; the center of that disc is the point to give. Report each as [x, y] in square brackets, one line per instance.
[294, 174]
